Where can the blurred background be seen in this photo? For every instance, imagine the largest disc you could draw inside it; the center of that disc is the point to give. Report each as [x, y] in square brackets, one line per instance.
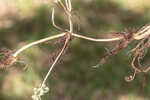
[73, 78]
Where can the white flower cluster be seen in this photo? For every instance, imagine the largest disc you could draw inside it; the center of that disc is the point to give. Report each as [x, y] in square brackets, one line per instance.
[38, 92]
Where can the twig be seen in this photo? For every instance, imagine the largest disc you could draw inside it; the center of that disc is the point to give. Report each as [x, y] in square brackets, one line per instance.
[54, 63]
[142, 33]
[53, 22]
[97, 40]
[37, 42]
[78, 36]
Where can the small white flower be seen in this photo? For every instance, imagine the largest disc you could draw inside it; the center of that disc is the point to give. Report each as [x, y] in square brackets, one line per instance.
[38, 92]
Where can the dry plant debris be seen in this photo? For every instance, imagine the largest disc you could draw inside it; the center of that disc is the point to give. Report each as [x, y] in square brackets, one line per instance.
[9, 57]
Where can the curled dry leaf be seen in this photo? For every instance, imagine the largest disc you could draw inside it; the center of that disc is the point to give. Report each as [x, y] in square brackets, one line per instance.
[140, 51]
[139, 54]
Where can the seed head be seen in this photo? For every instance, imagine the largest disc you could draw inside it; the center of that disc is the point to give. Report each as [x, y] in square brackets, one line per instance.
[6, 58]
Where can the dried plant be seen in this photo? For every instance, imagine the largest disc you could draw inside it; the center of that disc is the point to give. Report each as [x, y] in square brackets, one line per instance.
[9, 57]
[6, 58]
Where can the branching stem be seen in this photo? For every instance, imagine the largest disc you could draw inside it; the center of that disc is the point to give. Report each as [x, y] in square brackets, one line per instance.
[137, 37]
[141, 34]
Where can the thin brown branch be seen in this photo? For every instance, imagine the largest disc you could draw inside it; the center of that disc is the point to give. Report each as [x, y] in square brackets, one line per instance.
[37, 42]
[56, 60]
[53, 22]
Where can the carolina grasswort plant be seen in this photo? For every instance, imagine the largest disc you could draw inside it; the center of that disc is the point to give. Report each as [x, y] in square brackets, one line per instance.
[9, 57]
